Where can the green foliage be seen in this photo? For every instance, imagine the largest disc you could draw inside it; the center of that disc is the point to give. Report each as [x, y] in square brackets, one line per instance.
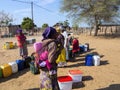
[27, 23]
[92, 11]
[45, 25]
[66, 23]
[75, 26]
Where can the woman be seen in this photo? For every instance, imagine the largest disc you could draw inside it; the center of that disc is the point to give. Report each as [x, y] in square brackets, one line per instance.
[61, 60]
[22, 44]
[75, 45]
[66, 43]
[48, 81]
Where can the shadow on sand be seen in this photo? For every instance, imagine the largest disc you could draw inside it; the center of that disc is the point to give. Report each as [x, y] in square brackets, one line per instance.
[81, 84]
[105, 62]
[16, 75]
[111, 87]
[33, 89]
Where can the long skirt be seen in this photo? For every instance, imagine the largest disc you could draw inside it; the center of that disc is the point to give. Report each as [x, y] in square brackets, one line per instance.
[61, 60]
[48, 82]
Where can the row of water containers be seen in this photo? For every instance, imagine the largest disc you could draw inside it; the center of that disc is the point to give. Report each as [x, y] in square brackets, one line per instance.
[84, 47]
[12, 67]
[31, 41]
[9, 45]
[92, 60]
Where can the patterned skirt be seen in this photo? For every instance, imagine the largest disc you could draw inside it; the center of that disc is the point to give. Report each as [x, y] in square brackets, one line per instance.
[48, 82]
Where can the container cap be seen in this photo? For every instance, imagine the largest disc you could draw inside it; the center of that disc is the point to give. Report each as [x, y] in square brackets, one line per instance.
[75, 72]
[64, 79]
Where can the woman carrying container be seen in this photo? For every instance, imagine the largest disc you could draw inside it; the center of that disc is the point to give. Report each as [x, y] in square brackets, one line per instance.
[48, 81]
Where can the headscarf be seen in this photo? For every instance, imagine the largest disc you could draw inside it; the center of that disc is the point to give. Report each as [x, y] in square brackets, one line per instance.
[49, 31]
[58, 29]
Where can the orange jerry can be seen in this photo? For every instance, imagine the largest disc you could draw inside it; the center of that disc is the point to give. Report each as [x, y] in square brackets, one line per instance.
[6, 70]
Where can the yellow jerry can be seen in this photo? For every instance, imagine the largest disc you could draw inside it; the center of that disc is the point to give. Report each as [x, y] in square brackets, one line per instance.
[6, 70]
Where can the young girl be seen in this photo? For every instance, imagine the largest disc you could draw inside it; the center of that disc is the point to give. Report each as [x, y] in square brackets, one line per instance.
[22, 44]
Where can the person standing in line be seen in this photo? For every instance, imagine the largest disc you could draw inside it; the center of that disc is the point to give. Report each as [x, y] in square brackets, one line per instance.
[21, 39]
[48, 81]
[66, 44]
[62, 57]
[75, 46]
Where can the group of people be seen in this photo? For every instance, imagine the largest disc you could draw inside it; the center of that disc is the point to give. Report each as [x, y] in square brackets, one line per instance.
[55, 45]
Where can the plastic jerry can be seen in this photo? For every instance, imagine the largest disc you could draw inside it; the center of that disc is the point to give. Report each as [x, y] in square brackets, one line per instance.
[96, 60]
[20, 64]
[6, 70]
[27, 61]
[0, 72]
[89, 60]
[33, 69]
[11, 45]
[14, 67]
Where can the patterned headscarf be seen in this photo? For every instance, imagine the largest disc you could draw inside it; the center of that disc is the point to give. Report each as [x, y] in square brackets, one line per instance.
[49, 31]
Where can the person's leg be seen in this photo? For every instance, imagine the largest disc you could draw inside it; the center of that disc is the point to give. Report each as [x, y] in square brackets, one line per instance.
[25, 51]
[55, 85]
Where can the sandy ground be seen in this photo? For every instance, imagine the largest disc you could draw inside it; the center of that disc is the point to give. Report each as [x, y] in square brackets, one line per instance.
[103, 77]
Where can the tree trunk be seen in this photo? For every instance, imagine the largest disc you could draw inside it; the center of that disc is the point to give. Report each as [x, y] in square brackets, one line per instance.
[96, 30]
[106, 31]
[96, 25]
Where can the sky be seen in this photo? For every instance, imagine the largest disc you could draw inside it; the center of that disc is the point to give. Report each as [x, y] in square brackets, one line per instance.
[44, 11]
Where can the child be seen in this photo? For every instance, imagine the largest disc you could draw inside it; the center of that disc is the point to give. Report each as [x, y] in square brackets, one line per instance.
[22, 44]
[41, 57]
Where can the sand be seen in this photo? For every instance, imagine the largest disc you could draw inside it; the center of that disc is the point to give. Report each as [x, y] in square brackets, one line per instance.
[103, 77]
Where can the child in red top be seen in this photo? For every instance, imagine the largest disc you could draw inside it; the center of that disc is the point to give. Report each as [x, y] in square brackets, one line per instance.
[75, 45]
[22, 44]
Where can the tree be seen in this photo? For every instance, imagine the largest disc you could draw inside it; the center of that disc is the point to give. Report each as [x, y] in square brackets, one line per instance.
[66, 24]
[27, 23]
[75, 26]
[5, 18]
[93, 12]
[45, 25]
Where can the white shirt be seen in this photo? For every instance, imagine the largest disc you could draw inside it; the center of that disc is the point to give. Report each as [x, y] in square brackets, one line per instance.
[65, 34]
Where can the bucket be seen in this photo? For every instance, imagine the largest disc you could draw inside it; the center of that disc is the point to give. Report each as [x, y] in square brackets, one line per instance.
[65, 82]
[96, 60]
[76, 75]
[89, 60]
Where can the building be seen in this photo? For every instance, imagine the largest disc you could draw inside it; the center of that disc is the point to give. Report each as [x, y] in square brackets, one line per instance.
[8, 30]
